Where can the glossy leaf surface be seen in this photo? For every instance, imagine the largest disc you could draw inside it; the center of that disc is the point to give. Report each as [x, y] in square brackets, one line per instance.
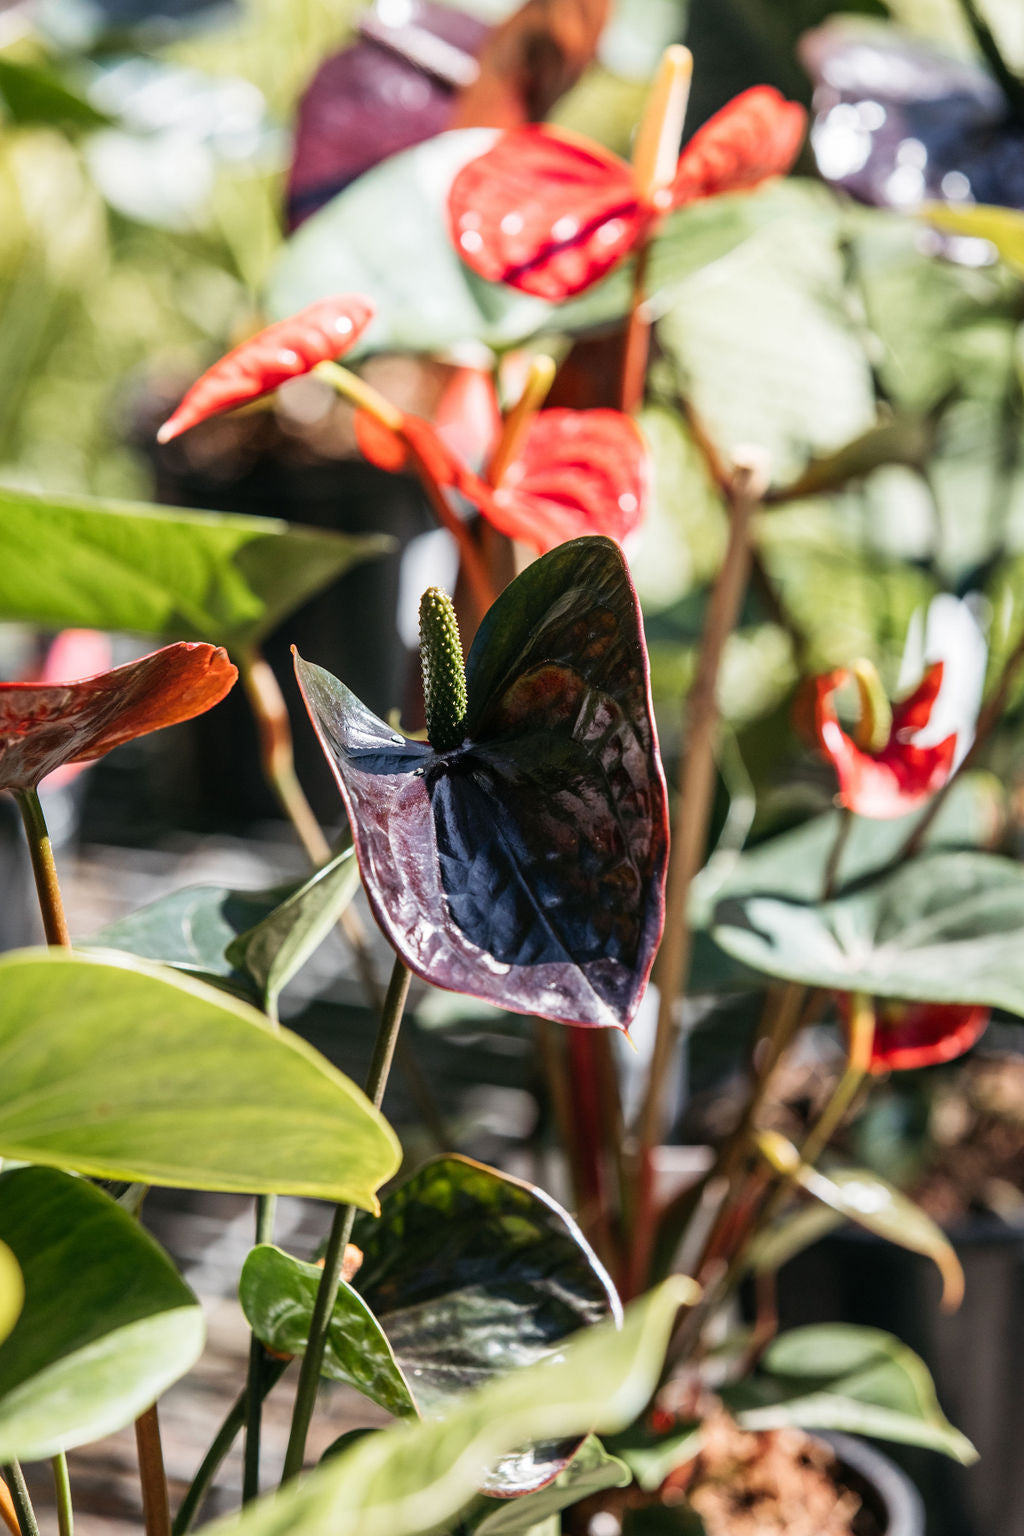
[12, 1291]
[278, 1294]
[251, 942]
[469, 1274]
[844, 1377]
[285, 350]
[45, 725]
[71, 562]
[117, 1068]
[591, 1471]
[413, 1477]
[108, 1323]
[527, 866]
[941, 929]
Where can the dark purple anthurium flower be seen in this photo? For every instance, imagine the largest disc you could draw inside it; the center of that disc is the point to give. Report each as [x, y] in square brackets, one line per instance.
[525, 865]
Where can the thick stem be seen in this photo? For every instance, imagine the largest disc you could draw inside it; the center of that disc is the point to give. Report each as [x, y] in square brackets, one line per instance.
[695, 792]
[638, 338]
[156, 1509]
[221, 1445]
[590, 1133]
[861, 1037]
[517, 423]
[341, 1231]
[55, 924]
[62, 1494]
[17, 1505]
[266, 1206]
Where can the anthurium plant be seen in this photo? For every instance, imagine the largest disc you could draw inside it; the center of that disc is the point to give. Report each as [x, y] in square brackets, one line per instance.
[822, 861]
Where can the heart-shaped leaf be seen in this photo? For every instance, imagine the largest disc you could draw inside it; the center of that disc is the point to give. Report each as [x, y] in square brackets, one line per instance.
[861, 1196]
[526, 866]
[840, 1376]
[71, 562]
[12, 1291]
[942, 929]
[411, 1477]
[117, 1068]
[468, 1274]
[249, 942]
[107, 1325]
[45, 725]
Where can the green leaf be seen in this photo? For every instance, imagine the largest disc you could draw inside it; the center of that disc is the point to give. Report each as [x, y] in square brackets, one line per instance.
[776, 1245]
[1004, 227]
[591, 1471]
[412, 1478]
[114, 1067]
[276, 949]
[840, 1376]
[30, 93]
[278, 1294]
[652, 1455]
[108, 1323]
[72, 562]
[466, 1274]
[12, 1291]
[942, 929]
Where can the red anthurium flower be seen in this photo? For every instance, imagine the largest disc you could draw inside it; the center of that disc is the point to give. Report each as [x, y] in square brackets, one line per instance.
[45, 725]
[888, 776]
[550, 213]
[321, 332]
[911, 1035]
[575, 472]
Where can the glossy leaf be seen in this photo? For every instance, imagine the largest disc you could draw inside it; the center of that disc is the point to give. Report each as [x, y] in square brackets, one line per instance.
[108, 1323]
[46, 725]
[859, 1380]
[591, 1471]
[72, 562]
[469, 1274]
[941, 929]
[120, 1069]
[278, 1294]
[286, 350]
[12, 1291]
[527, 866]
[251, 942]
[413, 1477]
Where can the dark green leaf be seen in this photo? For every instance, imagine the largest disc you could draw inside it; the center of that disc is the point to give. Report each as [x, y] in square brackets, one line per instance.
[278, 947]
[114, 1067]
[839, 1376]
[412, 1478]
[108, 1323]
[942, 929]
[591, 1471]
[71, 562]
[31, 93]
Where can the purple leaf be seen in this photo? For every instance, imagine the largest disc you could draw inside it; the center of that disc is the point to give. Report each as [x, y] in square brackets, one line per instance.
[527, 866]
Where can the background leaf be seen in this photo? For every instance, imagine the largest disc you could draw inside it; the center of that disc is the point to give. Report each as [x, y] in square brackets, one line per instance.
[411, 1478]
[591, 1471]
[116, 1068]
[840, 1376]
[108, 1323]
[942, 929]
[72, 562]
[12, 1291]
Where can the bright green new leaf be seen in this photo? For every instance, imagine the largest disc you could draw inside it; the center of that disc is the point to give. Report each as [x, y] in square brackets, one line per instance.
[942, 929]
[1003, 227]
[840, 1376]
[12, 1291]
[72, 562]
[108, 1323]
[411, 1478]
[115, 1067]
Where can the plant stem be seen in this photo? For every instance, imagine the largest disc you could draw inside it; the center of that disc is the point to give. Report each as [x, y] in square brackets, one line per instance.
[517, 423]
[1012, 88]
[62, 1491]
[266, 1206]
[341, 1231]
[638, 338]
[861, 1036]
[156, 1510]
[55, 924]
[843, 831]
[221, 1445]
[689, 831]
[20, 1503]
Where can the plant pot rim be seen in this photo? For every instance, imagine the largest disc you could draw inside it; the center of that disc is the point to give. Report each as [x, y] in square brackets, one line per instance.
[901, 1503]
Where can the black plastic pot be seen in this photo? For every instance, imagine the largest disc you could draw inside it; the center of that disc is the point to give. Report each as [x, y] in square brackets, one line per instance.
[976, 1356]
[885, 1490]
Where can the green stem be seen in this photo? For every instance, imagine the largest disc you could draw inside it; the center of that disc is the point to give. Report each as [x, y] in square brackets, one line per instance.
[341, 1231]
[843, 831]
[266, 1206]
[221, 1445]
[55, 924]
[638, 338]
[62, 1490]
[1011, 87]
[12, 1475]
